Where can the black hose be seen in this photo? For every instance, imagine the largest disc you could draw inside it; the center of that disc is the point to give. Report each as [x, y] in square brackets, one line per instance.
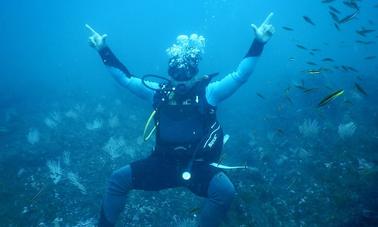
[166, 80]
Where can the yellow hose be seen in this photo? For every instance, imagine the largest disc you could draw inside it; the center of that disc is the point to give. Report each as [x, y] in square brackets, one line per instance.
[148, 124]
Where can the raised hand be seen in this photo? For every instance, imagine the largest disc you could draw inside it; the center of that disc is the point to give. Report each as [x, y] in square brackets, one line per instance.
[265, 31]
[96, 40]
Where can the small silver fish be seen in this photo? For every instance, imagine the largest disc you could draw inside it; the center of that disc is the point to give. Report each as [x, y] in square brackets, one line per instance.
[220, 166]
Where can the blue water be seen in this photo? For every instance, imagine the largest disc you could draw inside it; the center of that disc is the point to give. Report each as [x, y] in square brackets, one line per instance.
[48, 71]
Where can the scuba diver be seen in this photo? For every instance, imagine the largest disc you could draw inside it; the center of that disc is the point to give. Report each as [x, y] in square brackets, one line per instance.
[189, 138]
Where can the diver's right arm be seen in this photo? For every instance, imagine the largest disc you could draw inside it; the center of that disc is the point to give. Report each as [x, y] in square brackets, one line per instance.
[119, 71]
[122, 75]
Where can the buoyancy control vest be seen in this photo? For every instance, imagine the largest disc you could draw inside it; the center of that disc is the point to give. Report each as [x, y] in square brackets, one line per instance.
[186, 124]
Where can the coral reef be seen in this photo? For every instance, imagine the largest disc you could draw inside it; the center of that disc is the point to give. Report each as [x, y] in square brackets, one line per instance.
[33, 136]
[115, 147]
[346, 130]
[96, 124]
[56, 171]
[309, 128]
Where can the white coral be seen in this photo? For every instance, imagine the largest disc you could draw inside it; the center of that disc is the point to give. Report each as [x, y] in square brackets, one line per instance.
[33, 136]
[346, 130]
[115, 147]
[79, 108]
[75, 180]
[184, 223]
[55, 116]
[100, 108]
[309, 128]
[96, 124]
[66, 158]
[71, 114]
[113, 121]
[53, 119]
[56, 171]
[50, 122]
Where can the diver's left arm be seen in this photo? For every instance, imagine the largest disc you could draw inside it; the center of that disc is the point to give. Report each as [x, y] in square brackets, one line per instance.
[218, 91]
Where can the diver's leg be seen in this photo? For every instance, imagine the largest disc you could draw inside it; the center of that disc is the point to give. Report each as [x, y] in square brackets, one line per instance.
[119, 184]
[220, 194]
[153, 173]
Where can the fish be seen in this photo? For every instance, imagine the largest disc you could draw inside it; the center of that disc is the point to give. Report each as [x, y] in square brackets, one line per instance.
[365, 42]
[287, 28]
[315, 49]
[349, 17]
[300, 87]
[351, 3]
[301, 47]
[330, 97]
[328, 60]
[309, 90]
[314, 71]
[291, 59]
[335, 17]
[333, 9]
[194, 210]
[370, 57]
[363, 31]
[260, 95]
[311, 63]
[327, 1]
[360, 89]
[337, 27]
[280, 131]
[308, 20]
[348, 68]
[289, 99]
[343, 67]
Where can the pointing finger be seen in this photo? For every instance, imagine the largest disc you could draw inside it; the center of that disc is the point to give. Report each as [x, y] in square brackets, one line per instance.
[269, 17]
[90, 29]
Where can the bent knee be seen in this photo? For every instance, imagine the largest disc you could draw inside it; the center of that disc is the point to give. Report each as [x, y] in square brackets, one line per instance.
[120, 180]
[221, 189]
